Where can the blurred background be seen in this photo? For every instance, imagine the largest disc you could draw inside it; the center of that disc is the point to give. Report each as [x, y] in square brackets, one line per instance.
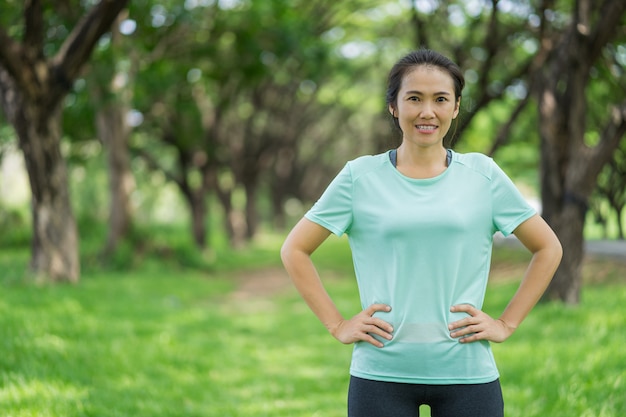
[144, 135]
[231, 116]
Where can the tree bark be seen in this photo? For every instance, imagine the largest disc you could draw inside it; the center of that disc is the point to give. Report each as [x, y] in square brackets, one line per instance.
[618, 217]
[234, 221]
[252, 214]
[569, 168]
[113, 131]
[198, 209]
[567, 282]
[55, 236]
[32, 89]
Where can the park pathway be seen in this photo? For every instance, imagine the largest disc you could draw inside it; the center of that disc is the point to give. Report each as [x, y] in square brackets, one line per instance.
[614, 249]
[607, 248]
[264, 283]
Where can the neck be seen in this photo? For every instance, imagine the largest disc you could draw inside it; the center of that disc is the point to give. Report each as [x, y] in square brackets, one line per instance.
[421, 162]
[421, 156]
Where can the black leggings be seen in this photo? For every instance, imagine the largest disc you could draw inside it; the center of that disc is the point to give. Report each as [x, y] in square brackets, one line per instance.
[368, 398]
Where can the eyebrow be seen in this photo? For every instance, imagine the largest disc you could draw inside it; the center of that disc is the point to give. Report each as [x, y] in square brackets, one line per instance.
[439, 93]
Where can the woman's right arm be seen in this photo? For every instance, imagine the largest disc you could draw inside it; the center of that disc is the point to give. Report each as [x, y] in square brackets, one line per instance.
[296, 253]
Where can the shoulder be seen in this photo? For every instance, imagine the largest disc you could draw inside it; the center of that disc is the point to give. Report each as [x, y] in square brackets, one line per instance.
[477, 163]
[367, 164]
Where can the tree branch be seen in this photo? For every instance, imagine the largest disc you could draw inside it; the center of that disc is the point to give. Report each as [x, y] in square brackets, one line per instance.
[503, 133]
[33, 30]
[611, 14]
[491, 44]
[485, 98]
[11, 57]
[75, 51]
[421, 37]
[153, 164]
[614, 130]
[612, 134]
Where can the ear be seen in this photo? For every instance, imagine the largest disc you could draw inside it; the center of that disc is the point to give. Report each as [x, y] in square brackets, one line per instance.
[392, 110]
[457, 107]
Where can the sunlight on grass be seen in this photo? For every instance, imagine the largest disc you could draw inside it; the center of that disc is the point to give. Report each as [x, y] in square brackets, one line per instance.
[165, 340]
[567, 361]
[50, 397]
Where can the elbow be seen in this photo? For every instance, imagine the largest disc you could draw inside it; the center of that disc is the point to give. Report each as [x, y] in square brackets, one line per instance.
[285, 253]
[557, 248]
[549, 252]
[555, 251]
[288, 253]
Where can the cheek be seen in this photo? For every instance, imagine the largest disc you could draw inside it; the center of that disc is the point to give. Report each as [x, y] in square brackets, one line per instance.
[405, 111]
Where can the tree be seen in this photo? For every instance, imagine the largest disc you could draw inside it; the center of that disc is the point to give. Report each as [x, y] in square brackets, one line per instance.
[32, 87]
[243, 93]
[113, 96]
[489, 43]
[549, 55]
[612, 189]
[569, 166]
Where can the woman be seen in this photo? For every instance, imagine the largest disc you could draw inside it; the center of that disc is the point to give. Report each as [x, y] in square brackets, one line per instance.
[420, 222]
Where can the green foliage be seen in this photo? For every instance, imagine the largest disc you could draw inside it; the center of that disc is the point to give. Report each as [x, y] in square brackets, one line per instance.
[567, 361]
[15, 227]
[306, 76]
[164, 340]
[608, 201]
[117, 345]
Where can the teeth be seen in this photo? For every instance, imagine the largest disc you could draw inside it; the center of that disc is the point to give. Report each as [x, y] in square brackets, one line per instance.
[426, 127]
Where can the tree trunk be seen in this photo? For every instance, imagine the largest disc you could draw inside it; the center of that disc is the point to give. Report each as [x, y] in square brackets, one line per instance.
[233, 221]
[618, 216]
[55, 236]
[279, 218]
[113, 132]
[233, 224]
[566, 285]
[570, 168]
[32, 89]
[252, 212]
[198, 208]
[564, 212]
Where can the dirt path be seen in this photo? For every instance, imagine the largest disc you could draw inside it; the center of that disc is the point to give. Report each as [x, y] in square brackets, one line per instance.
[615, 249]
[265, 283]
[261, 283]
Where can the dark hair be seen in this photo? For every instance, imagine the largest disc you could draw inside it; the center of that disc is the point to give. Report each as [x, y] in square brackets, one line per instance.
[418, 58]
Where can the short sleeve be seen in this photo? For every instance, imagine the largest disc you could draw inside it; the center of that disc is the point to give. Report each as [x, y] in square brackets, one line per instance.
[510, 208]
[333, 210]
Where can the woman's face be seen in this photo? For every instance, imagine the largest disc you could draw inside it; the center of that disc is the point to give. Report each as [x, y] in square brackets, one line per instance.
[425, 106]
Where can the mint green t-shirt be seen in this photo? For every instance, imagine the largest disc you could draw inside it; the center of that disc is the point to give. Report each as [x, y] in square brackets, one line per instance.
[421, 246]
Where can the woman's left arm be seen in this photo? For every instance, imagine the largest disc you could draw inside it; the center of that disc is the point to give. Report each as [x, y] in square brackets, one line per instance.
[540, 240]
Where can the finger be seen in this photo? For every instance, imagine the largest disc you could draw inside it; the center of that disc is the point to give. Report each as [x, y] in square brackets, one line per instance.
[468, 330]
[364, 334]
[472, 338]
[381, 324]
[371, 340]
[371, 329]
[459, 324]
[377, 307]
[465, 308]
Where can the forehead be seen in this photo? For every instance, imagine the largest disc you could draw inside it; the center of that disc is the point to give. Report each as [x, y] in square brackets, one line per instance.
[426, 78]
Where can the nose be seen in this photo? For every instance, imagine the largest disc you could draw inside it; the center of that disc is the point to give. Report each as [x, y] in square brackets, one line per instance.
[426, 111]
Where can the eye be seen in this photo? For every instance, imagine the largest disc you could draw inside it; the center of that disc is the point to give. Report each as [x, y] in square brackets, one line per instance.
[442, 99]
[413, 98]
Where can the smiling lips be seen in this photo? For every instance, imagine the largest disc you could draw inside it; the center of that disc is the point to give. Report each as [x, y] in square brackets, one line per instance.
[426, 128]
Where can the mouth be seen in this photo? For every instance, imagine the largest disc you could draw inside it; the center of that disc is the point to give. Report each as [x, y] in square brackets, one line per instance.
[426, 128]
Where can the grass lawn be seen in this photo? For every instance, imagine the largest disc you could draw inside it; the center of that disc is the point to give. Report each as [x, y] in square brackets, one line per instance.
[169, 340]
